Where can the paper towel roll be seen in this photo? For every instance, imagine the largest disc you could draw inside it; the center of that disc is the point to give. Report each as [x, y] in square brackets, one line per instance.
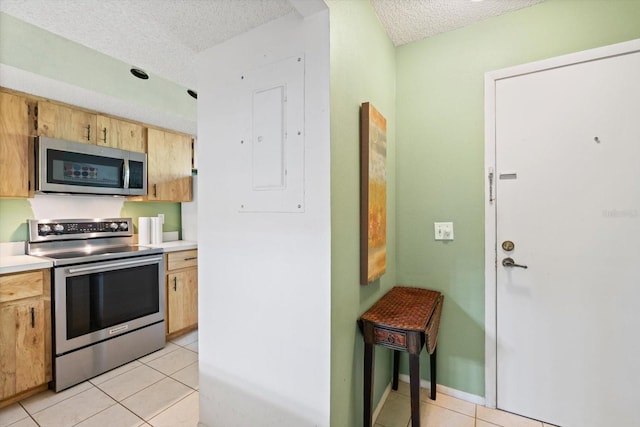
[144, 230]
[156, 230]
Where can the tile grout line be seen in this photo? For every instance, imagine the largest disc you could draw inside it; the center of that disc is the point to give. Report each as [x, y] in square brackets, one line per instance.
[170, 406]
[91, 385]
[53, 404]
[433, 402]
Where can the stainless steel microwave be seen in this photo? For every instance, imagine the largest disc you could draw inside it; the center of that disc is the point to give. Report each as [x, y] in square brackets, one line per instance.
[72, 167]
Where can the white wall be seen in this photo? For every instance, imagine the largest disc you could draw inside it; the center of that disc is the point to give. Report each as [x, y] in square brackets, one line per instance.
[264, 278]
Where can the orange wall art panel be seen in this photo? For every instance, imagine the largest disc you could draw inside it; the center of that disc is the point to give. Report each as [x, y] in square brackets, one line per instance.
[373, 194]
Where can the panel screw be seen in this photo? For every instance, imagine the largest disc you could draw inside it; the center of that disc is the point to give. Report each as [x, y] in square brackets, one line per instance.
[596, 139]
[299, 206]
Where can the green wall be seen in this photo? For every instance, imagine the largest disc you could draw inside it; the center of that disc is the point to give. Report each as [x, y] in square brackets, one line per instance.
[440, 139]
[15, 212]
[34, 49]
[172, 213]
[362, 69]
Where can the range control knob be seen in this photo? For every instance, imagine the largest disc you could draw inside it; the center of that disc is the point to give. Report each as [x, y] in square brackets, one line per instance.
[124, 226]
[45, 229]
[113, 226]
[58, 228]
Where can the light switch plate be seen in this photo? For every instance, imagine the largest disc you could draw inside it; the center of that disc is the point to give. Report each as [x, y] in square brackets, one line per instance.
[443, 230]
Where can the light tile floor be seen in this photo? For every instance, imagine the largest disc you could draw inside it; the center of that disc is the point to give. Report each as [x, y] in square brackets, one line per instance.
[445, 411]
[159, 390]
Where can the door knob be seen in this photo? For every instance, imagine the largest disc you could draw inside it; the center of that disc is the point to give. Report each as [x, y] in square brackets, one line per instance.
[509, 262]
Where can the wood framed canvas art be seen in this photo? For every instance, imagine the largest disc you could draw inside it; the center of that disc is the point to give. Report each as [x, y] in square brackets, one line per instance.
[373, 194]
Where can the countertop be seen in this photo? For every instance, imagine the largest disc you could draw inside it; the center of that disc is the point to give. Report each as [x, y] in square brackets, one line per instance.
[17, 263]
[176, 245]
[13, 260]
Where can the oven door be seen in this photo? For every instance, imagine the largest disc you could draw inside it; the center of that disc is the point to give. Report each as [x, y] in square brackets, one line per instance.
[97, 301]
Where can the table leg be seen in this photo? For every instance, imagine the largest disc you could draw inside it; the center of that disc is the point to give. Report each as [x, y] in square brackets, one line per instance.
[368, 384]
[414, 386]
[432, 366]
[396, 369]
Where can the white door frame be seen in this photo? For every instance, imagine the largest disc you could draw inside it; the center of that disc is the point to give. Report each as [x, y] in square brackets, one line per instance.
[490, 80]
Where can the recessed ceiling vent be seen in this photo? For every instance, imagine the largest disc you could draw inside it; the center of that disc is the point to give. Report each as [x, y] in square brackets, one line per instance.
[139, 73]
[193, 93]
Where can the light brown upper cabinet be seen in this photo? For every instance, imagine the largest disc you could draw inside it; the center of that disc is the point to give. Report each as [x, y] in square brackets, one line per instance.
[58, 121]
[168, 166]
[120, 134]
[16, 164]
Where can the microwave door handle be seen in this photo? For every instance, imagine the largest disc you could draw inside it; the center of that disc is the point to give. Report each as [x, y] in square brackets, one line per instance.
[126, 174]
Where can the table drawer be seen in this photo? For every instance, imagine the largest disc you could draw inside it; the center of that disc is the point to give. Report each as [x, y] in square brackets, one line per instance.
[387, 337]
[21, 285]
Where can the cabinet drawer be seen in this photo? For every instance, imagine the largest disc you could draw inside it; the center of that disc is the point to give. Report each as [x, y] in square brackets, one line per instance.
[182, 259]
[21, 285]
[390, 338]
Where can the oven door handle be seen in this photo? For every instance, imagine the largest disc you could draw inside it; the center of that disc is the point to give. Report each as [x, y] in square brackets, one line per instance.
[131, 263]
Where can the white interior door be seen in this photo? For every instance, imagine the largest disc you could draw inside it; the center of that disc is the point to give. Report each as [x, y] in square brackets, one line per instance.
[568, 197]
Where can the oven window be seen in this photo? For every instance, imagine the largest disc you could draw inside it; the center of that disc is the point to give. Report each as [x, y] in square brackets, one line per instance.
[100, 300]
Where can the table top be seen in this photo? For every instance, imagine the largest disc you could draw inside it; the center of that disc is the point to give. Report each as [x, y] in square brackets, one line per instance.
[403, 308]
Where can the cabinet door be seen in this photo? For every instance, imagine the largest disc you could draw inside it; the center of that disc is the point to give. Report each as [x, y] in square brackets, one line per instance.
[182, 300]
[57, 121]
[22, 346]
[15, 159]
[120, 134]
[169, 166]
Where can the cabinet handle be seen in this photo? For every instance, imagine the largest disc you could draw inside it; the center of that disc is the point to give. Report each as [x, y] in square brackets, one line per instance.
[88, 132]
[191, 258]
[155, 190]
[104, 134]
[175, 283]
[33, 317]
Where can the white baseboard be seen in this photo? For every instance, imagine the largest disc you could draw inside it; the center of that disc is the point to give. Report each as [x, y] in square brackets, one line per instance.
[383, 399]
[473, 398]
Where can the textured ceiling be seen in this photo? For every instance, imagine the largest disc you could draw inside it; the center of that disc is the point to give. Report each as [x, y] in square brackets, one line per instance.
[159, 36]
[409, 20]
[164, 36]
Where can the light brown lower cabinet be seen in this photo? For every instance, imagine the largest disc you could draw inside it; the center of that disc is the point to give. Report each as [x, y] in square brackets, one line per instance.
[182, 292]
[25, 334]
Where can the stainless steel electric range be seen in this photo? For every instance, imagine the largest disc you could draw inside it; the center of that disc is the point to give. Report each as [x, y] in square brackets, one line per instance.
[107, 295]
